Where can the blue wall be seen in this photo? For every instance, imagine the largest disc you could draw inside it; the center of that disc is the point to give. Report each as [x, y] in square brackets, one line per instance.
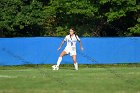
[43, 50]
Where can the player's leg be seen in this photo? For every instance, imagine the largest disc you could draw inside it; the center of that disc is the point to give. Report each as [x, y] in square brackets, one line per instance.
[75, 62]
[60, 57]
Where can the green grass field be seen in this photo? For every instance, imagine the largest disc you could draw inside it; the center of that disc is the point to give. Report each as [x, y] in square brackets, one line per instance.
[42, 79]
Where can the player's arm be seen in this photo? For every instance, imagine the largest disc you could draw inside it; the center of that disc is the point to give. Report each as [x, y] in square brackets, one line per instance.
[63, 41]
[61, 45]
[81, 46]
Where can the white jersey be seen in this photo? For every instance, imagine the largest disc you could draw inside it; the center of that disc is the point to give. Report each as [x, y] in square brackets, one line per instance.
[71, 41]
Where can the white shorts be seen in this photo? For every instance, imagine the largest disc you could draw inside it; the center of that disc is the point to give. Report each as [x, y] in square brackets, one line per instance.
[70, 50]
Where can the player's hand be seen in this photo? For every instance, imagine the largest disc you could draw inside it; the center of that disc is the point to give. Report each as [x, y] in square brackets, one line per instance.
[58, 48]
[82, 48]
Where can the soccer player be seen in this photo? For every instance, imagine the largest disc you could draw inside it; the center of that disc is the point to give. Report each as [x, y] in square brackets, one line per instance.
[70, 48]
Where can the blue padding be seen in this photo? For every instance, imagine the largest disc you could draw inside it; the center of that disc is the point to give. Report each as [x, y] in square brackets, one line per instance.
[43, 50]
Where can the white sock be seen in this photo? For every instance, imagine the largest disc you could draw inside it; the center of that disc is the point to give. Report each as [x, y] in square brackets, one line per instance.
[76, 66]
[59, 61]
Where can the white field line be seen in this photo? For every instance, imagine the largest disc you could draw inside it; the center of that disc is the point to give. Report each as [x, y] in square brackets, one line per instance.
[6, 76]
[17, 70]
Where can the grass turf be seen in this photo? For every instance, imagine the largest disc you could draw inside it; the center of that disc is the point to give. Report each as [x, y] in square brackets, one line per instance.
[42, 79]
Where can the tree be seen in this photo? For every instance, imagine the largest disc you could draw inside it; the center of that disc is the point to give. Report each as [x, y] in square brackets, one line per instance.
[55, 17]
[63, 14]
[121, 16]
[21, 18]
[92, 18]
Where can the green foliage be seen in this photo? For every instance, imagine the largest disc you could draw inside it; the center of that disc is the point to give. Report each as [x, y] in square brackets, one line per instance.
[66, 14]
[55, 17]
[114, 15]
[135, 29]
[92, 18]
[16, 16]
[61, 31]
[119, 8]
[121, 15]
